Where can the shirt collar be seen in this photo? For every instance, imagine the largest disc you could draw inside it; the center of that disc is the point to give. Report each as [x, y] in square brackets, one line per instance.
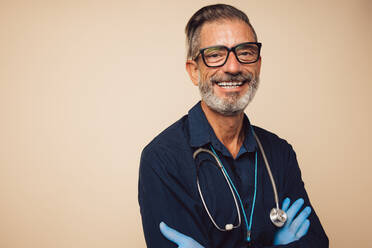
[201, 133]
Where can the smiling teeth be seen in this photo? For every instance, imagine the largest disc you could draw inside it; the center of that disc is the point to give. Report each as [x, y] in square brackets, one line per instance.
[230, 84]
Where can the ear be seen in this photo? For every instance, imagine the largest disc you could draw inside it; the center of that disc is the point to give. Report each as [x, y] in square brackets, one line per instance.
[193, 71]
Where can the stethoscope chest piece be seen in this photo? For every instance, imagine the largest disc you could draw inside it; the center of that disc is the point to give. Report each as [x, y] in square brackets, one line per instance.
[278, 217]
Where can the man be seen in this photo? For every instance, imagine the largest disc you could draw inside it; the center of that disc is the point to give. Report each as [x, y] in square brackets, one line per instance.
[195, 197]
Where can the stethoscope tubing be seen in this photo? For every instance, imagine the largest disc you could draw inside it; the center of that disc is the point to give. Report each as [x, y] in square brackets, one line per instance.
[277, 216]
[232, 192]
[268, 170]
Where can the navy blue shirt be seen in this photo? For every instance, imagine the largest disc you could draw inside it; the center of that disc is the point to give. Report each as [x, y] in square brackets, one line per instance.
[168, 190]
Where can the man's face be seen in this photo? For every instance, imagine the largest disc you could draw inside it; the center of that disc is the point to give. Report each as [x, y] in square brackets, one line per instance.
[227, 89]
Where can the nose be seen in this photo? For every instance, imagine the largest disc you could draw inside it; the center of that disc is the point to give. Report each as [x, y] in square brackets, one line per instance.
[232, 64]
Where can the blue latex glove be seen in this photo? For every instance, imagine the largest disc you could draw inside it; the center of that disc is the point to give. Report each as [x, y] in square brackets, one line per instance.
[180, 239]
[294, 228]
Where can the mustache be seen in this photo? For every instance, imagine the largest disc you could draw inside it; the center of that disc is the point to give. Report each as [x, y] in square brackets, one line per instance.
[246, 77]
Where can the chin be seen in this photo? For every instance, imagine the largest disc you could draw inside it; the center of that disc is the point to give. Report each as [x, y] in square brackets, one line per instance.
[232, 103]
[227, 107]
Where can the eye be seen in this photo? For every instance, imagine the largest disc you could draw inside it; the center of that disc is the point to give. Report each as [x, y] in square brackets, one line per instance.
[215, 52]
[246, 53]
[213, 55]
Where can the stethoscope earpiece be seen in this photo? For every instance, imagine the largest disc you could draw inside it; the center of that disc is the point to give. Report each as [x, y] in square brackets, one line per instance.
[278, 217]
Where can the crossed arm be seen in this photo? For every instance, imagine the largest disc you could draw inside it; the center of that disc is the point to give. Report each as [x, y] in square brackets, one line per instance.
[293, 230]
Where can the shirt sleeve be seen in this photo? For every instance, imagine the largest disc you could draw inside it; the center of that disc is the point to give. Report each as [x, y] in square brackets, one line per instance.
[163, 196]
[294, 188]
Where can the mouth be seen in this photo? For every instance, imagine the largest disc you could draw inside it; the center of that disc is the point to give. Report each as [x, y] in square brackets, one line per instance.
[230, 85]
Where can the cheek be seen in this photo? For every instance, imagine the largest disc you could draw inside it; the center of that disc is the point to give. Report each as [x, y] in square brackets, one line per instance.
[257, 68]
[205, 78]
[202, 77]
[205, 75]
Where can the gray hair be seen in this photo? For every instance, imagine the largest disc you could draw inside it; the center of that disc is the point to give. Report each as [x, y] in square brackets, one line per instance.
[206, 14]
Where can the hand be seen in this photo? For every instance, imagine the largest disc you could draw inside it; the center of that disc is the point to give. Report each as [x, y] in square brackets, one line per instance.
[296, 228]
[180, 239]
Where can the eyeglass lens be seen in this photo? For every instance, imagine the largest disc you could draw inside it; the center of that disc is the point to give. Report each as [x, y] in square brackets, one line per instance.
[216, 56]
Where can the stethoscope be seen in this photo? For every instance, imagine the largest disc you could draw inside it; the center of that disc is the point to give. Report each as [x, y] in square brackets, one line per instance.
[277, 215]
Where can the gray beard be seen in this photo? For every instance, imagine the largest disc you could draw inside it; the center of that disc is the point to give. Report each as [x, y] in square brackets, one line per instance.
[232, 104]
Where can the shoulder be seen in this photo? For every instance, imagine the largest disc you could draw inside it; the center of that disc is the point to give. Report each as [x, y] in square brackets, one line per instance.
[170, 138]
[281, 156]
[167, 146]
[270, 138]
[276, 147]
[168, 157]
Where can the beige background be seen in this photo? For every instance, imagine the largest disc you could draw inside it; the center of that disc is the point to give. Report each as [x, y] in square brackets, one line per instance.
[85, 85]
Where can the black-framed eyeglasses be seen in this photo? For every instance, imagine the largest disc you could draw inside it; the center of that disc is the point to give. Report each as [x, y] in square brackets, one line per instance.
[216, 56]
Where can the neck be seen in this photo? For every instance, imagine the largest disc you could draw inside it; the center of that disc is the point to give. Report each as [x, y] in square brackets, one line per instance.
[228, 129]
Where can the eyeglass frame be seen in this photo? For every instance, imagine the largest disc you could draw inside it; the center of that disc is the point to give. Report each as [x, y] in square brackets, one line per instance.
[232, 49]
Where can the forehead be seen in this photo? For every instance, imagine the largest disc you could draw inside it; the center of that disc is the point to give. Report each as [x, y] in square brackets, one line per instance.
[225, 32]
